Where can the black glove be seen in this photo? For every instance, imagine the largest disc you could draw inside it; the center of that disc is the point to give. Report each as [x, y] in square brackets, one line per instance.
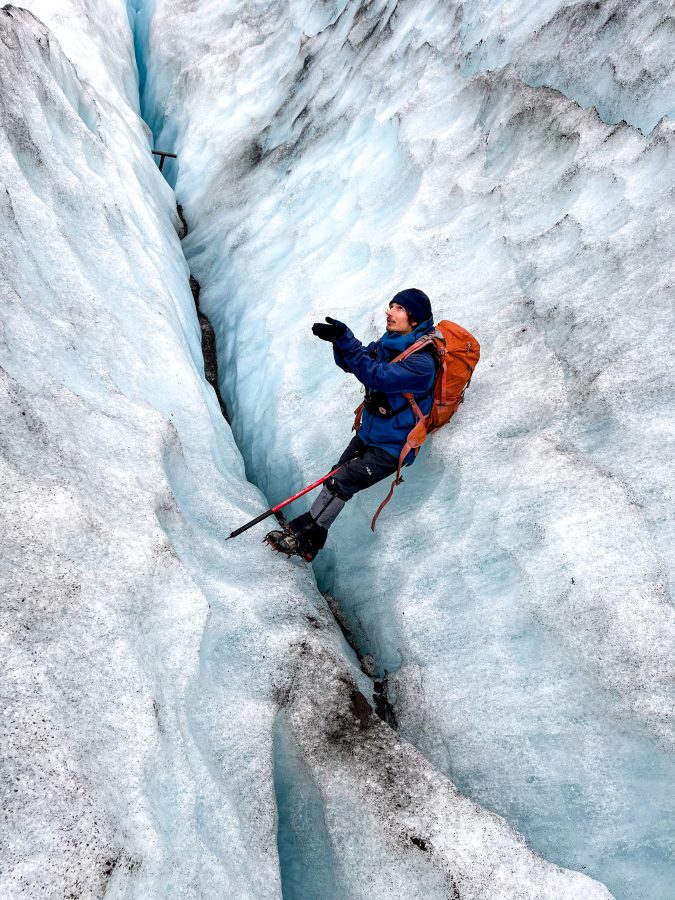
[329, 332]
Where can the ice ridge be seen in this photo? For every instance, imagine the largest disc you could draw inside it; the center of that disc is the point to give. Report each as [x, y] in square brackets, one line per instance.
[615, 56]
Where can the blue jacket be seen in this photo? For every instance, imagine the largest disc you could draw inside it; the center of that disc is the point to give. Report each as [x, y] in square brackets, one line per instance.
[415, 375]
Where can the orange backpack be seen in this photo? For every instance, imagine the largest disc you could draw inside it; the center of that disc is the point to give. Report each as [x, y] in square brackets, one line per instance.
[457, 352]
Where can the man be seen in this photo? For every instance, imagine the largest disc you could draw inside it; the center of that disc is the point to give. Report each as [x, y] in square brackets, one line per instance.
[387, 418]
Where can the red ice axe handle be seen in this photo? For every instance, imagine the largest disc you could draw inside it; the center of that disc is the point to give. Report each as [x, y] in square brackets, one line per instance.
[274, 509]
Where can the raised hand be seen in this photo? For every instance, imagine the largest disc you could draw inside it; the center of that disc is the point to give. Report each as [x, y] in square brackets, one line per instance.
[329, 332]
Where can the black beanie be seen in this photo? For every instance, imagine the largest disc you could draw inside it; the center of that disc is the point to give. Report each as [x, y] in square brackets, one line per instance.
[415, 302]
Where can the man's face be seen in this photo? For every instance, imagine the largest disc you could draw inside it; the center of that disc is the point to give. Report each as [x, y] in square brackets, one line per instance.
[398, 321]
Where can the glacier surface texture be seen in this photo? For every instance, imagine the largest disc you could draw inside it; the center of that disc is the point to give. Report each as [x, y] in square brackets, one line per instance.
[183, 717]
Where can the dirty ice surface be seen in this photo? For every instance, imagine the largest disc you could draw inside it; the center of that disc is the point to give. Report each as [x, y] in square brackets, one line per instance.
[518, 593]
[180, 715]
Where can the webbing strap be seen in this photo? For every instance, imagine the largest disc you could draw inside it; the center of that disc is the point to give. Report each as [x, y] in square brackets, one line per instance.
[413, 348]
[418, 412]
[358, 412]
[407, 447]
[397, 480]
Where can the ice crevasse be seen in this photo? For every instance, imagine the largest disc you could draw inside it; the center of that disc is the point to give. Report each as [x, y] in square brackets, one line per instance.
[181, 717]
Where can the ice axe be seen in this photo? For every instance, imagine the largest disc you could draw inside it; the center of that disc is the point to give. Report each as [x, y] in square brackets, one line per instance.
[275, 509]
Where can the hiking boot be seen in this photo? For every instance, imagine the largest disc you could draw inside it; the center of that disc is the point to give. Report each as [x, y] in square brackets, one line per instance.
[312, 537]
[304, 543]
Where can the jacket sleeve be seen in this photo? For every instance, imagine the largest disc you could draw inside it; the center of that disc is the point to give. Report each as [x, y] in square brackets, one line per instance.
[413, 374]
[339, 358]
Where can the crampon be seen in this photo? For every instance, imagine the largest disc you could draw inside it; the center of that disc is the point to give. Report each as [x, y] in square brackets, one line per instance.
[289, 544]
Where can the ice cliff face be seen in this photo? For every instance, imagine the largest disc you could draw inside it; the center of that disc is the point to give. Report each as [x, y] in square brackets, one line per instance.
[105, 415]
[181, 716]
[519, 594]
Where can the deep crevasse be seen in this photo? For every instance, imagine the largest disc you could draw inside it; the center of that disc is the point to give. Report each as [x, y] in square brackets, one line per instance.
[146, 661]
[519, 592]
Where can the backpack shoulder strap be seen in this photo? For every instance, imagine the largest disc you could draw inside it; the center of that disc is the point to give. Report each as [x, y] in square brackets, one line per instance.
[424, 341]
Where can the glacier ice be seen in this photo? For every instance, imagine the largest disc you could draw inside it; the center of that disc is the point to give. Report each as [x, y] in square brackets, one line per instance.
[614, 56]
[518, 595]
[174, 706]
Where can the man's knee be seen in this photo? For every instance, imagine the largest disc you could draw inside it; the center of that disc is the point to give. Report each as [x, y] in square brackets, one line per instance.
[339, 485]
[371, 465]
